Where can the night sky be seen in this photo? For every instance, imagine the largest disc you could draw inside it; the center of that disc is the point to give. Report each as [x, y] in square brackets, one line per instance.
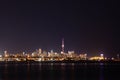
[86, 26]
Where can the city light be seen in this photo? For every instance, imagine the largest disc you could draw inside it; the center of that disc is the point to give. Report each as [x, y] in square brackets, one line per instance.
[41, 55]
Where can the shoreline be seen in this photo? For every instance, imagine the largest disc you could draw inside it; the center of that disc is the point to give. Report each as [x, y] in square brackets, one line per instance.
[81, 61]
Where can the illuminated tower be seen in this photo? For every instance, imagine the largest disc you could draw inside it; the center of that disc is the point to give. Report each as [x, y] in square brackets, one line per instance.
[62, 46]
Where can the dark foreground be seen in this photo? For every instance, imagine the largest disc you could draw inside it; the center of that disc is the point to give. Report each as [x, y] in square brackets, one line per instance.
[59, 70]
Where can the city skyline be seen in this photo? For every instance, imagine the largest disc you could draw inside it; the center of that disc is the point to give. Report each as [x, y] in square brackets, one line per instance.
[62, 49]
[87, 26]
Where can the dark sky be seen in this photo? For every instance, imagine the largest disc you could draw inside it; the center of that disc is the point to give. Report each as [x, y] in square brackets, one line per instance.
[87, 26]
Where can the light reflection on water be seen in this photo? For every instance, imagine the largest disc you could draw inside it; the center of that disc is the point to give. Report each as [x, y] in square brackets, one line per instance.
[101, 71]
[58, 71]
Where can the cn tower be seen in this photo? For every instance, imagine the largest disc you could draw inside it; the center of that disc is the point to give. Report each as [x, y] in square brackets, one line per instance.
[62, 46]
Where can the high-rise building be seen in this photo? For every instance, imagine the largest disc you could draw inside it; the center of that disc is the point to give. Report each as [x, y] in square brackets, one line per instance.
[40, 51]
[5, 54]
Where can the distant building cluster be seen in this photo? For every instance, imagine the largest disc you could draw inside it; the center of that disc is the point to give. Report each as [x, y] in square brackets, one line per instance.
[40, 55]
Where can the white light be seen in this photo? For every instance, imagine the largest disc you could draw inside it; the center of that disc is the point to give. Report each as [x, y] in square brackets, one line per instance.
[101, 55]
[0, 56]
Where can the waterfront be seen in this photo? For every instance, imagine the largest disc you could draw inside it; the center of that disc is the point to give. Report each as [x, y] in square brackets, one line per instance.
[59, 71]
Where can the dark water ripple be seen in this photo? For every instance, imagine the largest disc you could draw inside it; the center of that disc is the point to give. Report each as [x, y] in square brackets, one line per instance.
[59, 71]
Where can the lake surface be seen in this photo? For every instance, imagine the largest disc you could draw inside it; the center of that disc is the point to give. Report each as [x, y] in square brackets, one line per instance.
[59, 71]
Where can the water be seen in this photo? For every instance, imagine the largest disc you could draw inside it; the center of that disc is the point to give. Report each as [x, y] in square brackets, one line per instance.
[59, 71]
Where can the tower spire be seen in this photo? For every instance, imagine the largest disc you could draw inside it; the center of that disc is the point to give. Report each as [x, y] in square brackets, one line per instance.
[62, 45]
